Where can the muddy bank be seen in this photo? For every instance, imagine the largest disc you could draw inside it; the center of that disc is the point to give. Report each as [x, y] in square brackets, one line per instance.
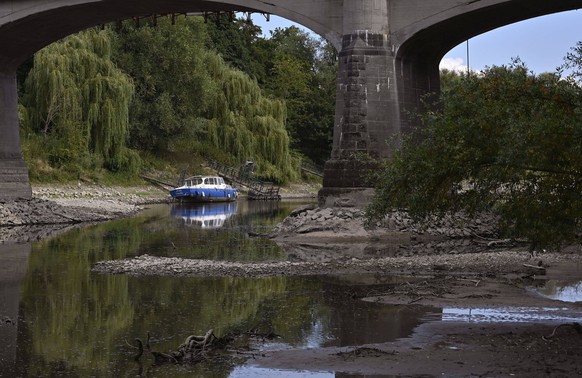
[448, 349]
[337, 241]
[55, 209]
[457, 263]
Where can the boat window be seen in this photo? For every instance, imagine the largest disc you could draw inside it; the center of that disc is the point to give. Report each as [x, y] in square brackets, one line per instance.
[220, 181]
[188, 182]
[196, 181]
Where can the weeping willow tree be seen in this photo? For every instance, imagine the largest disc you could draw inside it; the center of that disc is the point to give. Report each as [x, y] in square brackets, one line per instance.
[248, 125]
[79, 100]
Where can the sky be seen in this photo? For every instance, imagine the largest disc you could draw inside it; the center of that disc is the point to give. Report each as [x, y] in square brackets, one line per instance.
[541, 42]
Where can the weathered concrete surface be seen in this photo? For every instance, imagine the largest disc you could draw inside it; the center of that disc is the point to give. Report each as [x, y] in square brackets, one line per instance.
[389, 56]
[13, 171]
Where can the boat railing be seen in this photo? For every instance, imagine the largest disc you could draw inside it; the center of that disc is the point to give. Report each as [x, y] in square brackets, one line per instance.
[244, 176]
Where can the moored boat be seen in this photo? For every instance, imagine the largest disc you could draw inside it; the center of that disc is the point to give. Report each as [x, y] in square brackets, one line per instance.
[204, 189]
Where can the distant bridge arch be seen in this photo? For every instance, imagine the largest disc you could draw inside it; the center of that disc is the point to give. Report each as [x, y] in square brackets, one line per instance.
[35, 24]
[389, 56]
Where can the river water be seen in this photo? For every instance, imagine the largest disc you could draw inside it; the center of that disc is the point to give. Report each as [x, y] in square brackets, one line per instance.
[60, 319]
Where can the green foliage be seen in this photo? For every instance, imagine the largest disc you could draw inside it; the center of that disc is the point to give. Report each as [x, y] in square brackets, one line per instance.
[78, 97]
[238, 42]
[156, 88]
[292, 66]
[505, 141]
[303, 73]
[248, 125]
[166, 61]
[190, 100]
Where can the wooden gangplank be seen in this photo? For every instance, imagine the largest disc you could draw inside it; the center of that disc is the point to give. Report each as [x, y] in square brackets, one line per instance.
[163, 185]
[308, 170]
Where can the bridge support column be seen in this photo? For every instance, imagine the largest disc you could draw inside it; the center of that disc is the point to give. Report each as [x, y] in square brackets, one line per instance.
[14, 182]
[367, 111]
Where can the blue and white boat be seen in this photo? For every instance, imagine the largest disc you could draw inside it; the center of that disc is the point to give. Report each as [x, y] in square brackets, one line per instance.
[204, 189]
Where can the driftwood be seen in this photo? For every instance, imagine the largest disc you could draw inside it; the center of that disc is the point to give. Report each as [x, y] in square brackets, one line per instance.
[195, 348]
[577, 326]
[536, 269]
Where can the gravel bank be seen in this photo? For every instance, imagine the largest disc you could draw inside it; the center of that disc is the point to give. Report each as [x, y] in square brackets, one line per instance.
[500, 262]
[57, 208]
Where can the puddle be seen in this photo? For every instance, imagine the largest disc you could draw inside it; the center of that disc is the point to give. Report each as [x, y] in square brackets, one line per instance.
[252, 371]
[509, 314]
[561, 291]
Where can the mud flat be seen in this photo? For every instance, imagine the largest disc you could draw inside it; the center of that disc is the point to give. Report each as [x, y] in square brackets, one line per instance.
[55, 209]
[458, 262]
[455, 263]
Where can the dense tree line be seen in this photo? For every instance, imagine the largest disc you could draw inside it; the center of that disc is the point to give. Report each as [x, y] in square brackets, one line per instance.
[503, 140]
[290, 65]
[103, 97]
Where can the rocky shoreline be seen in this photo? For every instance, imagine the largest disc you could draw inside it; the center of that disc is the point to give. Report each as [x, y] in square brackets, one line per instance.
[336, 241]
[55, 209]
[67, 204]
[317, 240]
[458, 262]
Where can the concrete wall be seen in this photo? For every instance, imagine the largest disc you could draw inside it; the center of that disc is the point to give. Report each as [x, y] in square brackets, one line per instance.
[13, 171]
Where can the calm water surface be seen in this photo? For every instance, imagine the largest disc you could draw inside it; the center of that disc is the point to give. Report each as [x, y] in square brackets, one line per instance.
[59, 319]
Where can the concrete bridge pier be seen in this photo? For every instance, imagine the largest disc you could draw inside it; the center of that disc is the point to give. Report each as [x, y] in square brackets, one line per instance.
[367, 112]
[14, 182]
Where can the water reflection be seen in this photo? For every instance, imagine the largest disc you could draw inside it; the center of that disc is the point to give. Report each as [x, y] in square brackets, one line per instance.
[13, 267]
[72, 322]
[509, 314]
[211, 215]
[250, 371]
[562, 291]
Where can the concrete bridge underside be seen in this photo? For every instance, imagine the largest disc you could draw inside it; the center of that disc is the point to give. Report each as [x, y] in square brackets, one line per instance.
[389, 56]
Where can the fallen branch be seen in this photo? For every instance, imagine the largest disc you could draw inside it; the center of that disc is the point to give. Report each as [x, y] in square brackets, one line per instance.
[499, 243]
[416, 300]
[196, 348]
[139, 349]
[476, 282]
[539, 269]
[191, 349]
[575, 325]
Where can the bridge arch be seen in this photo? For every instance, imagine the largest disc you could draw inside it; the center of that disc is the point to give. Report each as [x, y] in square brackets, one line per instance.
[29, 29]
[389, 56]
[427, 41]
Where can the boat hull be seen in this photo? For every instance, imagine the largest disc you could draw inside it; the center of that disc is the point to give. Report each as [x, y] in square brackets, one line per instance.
[197, 195]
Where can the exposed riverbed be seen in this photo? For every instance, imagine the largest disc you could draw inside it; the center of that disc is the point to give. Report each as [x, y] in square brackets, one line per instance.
[319, 265]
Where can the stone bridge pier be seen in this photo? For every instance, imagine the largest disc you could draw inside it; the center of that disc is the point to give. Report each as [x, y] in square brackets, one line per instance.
[13, 171]
[372, 85]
